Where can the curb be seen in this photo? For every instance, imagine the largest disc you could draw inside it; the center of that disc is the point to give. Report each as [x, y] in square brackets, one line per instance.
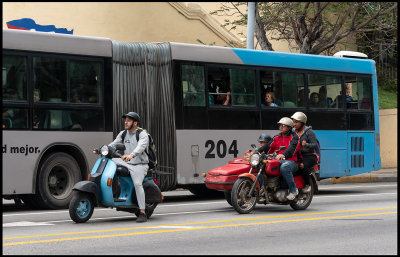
[364, 178]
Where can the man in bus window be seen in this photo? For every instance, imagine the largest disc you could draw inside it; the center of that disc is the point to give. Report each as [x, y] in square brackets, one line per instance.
[135, 158]
[289, 156]
[223, 97]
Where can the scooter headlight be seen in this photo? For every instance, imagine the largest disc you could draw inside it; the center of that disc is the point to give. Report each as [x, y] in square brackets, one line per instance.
[254, 159]
[104, 150]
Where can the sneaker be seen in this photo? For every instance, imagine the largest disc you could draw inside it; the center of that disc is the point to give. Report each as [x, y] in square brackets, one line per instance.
[291, 196]
[142, 217]
[306, 189]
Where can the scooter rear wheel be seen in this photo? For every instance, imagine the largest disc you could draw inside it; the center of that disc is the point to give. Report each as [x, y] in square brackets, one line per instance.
[81, 207]
[149, 209]
[241, 202]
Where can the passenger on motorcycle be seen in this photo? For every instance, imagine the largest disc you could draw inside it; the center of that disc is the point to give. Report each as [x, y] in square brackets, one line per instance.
[134, 158]
[289, 156]
[309, 147]
[263, 140]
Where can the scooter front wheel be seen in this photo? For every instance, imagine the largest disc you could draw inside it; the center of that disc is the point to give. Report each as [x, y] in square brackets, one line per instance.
[81, 207]
[241, 202]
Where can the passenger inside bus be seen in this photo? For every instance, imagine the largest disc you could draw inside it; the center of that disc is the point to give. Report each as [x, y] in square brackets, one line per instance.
[223, 97]
[314, 98]
[269, 100]
[324, 100]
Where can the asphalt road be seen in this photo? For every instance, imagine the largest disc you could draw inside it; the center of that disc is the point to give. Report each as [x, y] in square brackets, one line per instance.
[358, 218]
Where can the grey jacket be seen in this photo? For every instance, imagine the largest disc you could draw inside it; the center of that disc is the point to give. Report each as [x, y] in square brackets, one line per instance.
[134, 147]
[312, 145]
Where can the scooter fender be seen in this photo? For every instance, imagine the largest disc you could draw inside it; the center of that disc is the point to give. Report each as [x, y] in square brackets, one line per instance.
[87, 187]
[250, 176]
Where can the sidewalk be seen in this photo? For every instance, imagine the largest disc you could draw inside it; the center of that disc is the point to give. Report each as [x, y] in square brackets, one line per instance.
[382, 175]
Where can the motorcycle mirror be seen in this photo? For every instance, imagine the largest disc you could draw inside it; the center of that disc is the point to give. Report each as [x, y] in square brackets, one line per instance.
[254, 146]
[120, 147]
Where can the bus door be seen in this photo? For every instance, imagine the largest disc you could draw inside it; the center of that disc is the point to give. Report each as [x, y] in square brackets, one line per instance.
[361, 152]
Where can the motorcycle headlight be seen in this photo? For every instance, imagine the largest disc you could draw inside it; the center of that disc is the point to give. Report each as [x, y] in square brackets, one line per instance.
[104, 150]
[254, 159]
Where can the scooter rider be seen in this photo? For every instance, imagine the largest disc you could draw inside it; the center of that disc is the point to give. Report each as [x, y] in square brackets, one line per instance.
[309, 147]
[289, 156]
[134, 158]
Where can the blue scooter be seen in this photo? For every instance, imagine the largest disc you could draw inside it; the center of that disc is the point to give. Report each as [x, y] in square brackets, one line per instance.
[110, 185]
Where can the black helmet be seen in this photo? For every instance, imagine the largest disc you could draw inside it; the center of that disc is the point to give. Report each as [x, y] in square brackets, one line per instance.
[132, 115]
[264, 138]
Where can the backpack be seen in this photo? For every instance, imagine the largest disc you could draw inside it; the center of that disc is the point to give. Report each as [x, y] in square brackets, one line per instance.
[152, 150]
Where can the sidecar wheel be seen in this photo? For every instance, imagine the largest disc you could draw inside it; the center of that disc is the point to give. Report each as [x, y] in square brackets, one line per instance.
[240, 201]
[302, 201]
[149, 209]
[81, 207]
[228, 197]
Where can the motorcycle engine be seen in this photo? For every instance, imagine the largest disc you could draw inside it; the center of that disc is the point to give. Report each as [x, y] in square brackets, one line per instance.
[280, 195]
[273, 183]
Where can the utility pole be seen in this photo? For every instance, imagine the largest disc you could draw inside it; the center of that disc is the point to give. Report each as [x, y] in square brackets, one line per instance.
[251, 10]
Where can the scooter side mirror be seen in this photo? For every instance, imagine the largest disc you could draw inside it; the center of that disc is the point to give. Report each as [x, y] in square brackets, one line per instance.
[253, 146]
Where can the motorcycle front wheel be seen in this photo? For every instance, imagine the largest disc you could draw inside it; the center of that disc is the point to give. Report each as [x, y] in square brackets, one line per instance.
[303, 200]
[241, 202]
[81, 207]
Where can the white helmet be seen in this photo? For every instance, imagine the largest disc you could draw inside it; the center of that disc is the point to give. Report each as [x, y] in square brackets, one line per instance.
[300, 117]
[286, 121]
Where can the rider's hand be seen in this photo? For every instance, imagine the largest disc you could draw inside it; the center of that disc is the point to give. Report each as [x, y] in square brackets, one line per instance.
[95, 151]
[301, 165]
[247, 154]
[280, 157]
[304, 143]
[127, 158]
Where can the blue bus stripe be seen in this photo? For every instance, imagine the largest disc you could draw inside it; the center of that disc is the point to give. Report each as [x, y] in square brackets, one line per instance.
[305, 61]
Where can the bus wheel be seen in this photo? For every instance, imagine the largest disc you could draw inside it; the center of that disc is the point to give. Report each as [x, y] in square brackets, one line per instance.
[58, 174]
[202, 190]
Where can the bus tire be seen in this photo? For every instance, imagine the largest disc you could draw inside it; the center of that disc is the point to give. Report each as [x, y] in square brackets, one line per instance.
[58, 174]
[202, 190]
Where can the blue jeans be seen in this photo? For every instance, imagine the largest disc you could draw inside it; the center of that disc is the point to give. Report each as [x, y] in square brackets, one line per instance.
[287, 169]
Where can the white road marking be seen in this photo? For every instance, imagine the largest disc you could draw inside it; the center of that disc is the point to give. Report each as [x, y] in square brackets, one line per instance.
[26, 224]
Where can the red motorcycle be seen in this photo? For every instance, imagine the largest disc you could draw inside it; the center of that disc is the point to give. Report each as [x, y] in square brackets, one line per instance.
[244, 188]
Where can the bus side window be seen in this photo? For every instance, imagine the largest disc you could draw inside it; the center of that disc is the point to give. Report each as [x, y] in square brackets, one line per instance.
[289, 87]
[325, 91]
[193, 85]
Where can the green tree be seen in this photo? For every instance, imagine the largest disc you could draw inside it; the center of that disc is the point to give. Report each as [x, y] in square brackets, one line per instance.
[311, 27]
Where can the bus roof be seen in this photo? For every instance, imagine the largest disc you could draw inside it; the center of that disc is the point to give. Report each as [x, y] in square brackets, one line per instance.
[191, 52]
[98, 46]
[56, 43]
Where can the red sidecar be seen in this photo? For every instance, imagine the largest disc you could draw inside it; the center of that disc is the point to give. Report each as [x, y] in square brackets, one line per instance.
[223, 178]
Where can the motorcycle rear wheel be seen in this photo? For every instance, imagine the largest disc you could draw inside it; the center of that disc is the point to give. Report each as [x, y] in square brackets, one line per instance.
[302, 201]
[240, 201]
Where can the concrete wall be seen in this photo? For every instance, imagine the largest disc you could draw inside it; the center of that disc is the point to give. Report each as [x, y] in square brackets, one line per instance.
[388, 129]
[126, 21]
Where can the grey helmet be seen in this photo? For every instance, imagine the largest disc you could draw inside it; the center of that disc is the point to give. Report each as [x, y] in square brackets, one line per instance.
[286, 121]
[132, 115]
[300, 117]
[264, 138]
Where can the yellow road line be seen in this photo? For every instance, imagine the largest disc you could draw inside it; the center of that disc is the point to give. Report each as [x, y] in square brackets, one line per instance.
[187, 229]
[201, 222]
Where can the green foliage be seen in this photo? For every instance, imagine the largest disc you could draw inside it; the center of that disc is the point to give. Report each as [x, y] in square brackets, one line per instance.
[387, 99]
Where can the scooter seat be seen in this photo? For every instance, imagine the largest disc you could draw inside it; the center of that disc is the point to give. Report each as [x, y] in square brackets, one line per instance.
[122, 171]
